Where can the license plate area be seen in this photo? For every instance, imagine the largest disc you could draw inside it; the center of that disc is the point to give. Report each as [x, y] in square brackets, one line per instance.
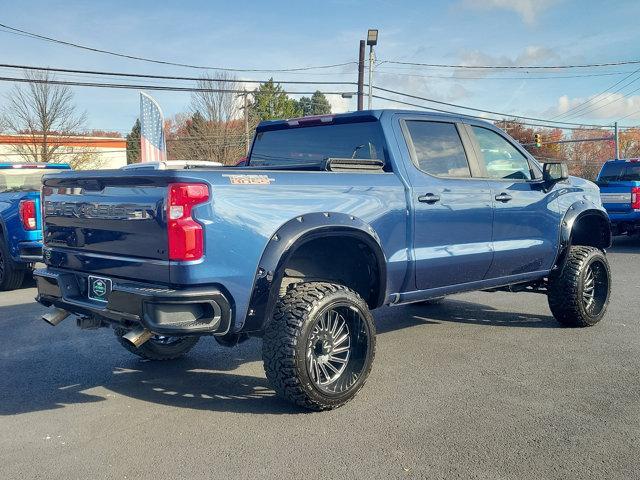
[99, 288]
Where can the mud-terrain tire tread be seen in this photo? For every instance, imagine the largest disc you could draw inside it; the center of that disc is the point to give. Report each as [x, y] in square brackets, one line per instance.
[154, 351]
[564, 296]
[13, 274]
[282, 334]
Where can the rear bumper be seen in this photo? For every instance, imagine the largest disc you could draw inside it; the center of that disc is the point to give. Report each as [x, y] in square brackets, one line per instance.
[30, 252]
[163, 310]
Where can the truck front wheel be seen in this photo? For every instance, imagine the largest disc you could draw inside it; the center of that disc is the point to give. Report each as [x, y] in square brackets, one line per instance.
[579, 293]
[158, 347]
[319, 347]
[11, 275]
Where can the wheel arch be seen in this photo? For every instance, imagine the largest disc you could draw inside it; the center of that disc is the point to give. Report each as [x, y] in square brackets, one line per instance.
[584, 224]
[305, 232]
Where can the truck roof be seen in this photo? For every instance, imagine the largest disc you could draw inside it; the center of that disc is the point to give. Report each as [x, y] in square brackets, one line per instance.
[57, 166]
[351, 117]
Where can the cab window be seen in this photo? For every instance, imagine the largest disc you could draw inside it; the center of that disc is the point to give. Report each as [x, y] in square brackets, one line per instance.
[438, 149]
[499, 157]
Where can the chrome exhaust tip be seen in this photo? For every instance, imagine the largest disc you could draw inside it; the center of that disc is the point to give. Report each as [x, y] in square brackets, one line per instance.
[138, 336]
[54, 317]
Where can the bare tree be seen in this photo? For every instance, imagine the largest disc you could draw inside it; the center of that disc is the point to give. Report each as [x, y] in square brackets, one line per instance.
[45, 114]
[215, 130]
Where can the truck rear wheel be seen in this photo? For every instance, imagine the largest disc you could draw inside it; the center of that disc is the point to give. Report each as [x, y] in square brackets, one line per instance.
[319, 347]
[158, 347]
[579, 294]
[11, 275]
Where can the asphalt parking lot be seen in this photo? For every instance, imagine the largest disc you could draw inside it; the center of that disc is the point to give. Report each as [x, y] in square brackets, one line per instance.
[481, 386]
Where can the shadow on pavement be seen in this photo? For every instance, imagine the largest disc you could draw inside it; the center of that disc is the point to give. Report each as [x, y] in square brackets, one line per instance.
[453, 310]
[626, 244]
[48, 368]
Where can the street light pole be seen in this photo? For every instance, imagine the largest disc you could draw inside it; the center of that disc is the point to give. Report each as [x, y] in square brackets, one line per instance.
[372, 40]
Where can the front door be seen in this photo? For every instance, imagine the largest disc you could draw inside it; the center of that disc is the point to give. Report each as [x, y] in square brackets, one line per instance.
[452, 210]
[526, 218]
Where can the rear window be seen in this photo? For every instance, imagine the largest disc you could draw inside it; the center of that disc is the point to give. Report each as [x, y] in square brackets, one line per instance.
[313, 145]
[23, 180]
[620, 172]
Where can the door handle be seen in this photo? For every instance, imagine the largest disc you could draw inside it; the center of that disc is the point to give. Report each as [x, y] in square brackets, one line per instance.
[429, 198]
[503, 197]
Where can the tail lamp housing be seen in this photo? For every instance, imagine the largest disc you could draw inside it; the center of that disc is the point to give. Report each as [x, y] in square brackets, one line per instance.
[27, 211]
[186, 236]
[635, 198]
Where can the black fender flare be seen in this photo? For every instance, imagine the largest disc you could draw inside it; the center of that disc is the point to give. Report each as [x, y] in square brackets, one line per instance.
[286, 240]
[577, 211]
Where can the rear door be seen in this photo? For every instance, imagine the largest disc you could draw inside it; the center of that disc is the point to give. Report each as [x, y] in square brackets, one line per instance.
[452, 211]
[526, 220]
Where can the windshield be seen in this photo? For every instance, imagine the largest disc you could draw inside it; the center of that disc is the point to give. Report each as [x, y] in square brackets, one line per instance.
[313, 145]
[23, 180]
[620, 172]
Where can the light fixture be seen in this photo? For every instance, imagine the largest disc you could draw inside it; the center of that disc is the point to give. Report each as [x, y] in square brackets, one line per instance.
[372, 37]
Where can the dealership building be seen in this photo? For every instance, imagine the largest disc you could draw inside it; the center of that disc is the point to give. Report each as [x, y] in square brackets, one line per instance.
[94, 152]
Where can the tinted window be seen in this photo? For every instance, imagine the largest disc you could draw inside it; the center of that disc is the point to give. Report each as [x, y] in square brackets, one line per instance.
[313, 145]
[611, 172]
[438, 149]
[631, 174]
[500, 158]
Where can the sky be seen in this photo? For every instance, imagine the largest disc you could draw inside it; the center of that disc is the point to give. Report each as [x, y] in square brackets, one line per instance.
[280, 34]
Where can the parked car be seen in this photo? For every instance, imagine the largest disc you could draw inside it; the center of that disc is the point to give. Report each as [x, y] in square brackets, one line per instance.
[619, 182]
[20, 223]
[333, 216]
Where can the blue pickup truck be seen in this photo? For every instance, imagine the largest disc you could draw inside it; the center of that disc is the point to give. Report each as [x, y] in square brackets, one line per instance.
[619, 182]
[20, 225]
[331, 217]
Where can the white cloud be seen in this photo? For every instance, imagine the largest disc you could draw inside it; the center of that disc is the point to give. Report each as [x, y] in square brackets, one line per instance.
[528, 10]
[603, 107]
[531, 55]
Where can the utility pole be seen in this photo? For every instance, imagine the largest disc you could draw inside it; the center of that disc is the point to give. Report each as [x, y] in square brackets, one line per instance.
[616, 140]
[372, 39]
[245, 108]
[361, 76]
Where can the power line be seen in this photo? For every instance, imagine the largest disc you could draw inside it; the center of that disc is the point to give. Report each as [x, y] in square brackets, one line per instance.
[146, 87]
[166, 77]
[484, 111]
[9, 29]
[579, 108]
[383, 71]
[514, 67]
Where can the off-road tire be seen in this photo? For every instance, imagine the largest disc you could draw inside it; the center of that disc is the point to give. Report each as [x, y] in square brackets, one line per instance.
[566, 287]
[289, 334]
[11, 275]
[153, 350]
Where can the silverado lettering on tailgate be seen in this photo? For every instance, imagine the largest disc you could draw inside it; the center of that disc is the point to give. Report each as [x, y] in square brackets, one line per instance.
[106, 211]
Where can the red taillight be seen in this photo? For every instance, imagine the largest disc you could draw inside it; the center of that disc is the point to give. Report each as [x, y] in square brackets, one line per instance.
[186, 241]
[635, 198]
[27, 211]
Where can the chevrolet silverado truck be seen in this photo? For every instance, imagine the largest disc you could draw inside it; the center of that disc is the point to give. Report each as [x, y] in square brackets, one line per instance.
[20, 224]
[330, 218]
[619, 182]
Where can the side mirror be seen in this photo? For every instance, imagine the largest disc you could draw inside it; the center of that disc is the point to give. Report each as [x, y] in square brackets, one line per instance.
[555, 172]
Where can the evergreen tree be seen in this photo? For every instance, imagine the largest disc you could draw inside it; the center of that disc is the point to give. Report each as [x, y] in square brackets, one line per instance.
[306, 107]
[319, 104]
[133, 144]
[271, 102]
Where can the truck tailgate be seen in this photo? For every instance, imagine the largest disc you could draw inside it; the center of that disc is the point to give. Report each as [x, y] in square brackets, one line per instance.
[616, 197]
[114, 225]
